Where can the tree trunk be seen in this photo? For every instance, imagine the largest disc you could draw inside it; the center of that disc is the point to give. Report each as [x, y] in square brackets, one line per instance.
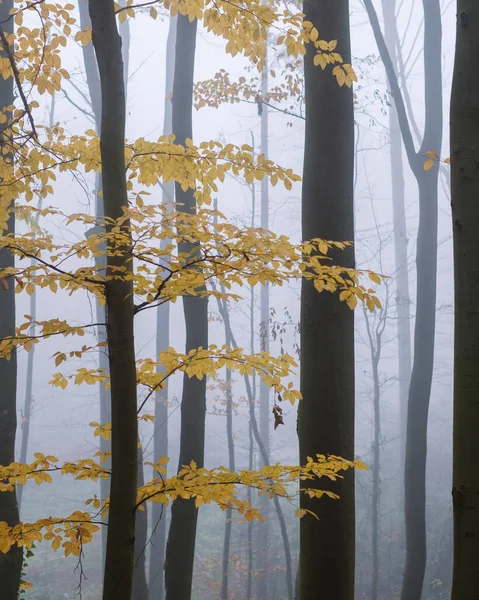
[375, 347]
[11, 562]
[118, 574]
[180, 550]
[400, 245]
[426, 265]
[326, 412]
[465, 217]
[140, 587]
[160, 438]
[231, 466]
[264, 458]
[264, 391]
[94, 91]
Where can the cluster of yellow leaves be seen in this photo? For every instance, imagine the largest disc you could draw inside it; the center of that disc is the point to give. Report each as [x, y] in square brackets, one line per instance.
[202, 362]
[69, 532]
[226, 253]
[219, 486]
[197, 167]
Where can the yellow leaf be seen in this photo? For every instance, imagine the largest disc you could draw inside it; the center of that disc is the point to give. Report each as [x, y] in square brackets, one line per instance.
[428, 164]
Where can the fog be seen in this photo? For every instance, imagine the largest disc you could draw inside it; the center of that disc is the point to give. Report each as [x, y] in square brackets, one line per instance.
[60, 418]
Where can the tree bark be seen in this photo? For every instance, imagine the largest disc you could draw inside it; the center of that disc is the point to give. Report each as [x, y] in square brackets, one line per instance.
[11, 562]
[326, 412]
[118, 576]
[160, 439]
[180, 550]
[464, 135]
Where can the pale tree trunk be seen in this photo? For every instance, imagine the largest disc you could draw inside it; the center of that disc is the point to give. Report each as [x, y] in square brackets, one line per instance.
[223, 306]
[426, 264]
[465, 220]
[264, 392]
[375, 332]
[118, 576]
[264, 458]
[400, 245]
[231, 466]
[180, 549]
[140, 588]
[326, 412]
[11, 562]
[27, 410]
[160, 437]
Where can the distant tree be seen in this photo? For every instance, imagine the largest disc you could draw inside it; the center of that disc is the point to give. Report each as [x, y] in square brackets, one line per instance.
[464, 136]
[426, 172]
[326, 412]
[403, 300]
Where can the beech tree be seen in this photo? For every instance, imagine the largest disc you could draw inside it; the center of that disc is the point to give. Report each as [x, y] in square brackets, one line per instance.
[326, 412]
[464, 136]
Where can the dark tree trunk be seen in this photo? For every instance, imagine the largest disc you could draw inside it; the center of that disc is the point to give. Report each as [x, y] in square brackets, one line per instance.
[118, 575]
[180, 550]
[10, 563]
[326, 412]
[160, 439]
[94, 91]
[426, 265]
[465, 220]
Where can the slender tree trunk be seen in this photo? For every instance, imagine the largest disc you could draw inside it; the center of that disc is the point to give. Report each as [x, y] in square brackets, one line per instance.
[426, 266]
[252, 332]
[27, 411]
[375, 344]
[231, 466]
[326, 412]
[94, 91]
[231, 449]
[140, 587]
[118, 576]
[180, 550]
[465, 218]
[264, 391]
[400, 244]
[264, 457]
[160, 439]
[11, 562]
